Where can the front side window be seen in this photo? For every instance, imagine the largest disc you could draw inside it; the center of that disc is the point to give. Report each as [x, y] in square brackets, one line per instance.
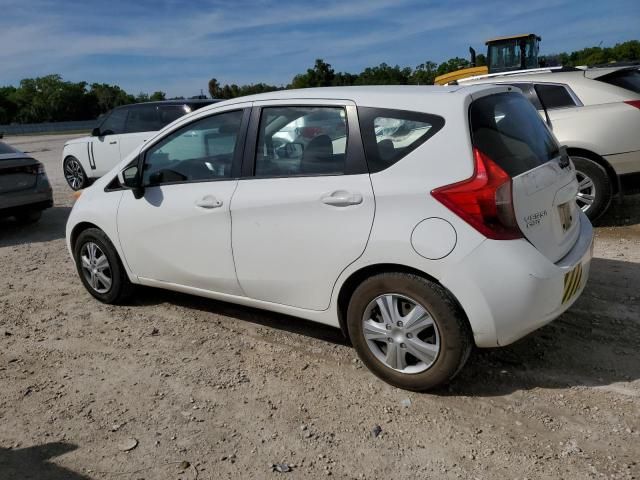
[554, 96]
[389, 135]
[143, 118]
[114, 123]
[301, 141]
[200, 151]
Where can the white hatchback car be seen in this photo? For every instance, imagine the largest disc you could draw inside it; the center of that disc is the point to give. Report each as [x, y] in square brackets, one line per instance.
[120, 131]
[595, 113]
[456, 226]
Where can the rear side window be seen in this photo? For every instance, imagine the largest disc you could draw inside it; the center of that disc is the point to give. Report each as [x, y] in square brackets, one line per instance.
[628, 79]
[143, 119]
[554, 96]
[389, 135]
[4, 149]
[508, 129]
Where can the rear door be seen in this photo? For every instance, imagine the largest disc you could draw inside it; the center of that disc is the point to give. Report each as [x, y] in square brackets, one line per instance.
[507, 128]
[304, 209]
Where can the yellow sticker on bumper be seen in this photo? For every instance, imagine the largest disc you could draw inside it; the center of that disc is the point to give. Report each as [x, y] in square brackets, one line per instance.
[572, 281]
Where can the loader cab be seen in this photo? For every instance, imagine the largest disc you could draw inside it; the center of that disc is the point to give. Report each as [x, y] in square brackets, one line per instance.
[517, 52]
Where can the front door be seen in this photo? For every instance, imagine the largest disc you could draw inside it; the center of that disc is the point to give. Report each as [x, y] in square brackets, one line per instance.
[104, 150]
[306, 210]
[179, 232]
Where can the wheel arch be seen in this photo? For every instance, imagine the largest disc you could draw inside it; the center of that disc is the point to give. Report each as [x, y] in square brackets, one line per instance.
[611, 173]
[78, 229]
[356, 278]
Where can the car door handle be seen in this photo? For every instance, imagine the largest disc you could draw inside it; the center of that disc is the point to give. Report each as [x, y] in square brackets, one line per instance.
[208, 201]
[341, 198]
[113, 143]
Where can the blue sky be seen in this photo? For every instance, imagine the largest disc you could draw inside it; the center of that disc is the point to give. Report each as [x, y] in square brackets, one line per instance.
[177, 46]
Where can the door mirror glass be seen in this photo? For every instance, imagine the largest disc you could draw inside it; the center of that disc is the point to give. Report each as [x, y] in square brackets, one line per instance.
[95, 132]
[130, 177]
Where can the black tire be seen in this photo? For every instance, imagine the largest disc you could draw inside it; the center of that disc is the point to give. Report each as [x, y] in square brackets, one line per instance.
[74, 174]
[603, 192]
[121, 288]
[28, 216]
[454, 333]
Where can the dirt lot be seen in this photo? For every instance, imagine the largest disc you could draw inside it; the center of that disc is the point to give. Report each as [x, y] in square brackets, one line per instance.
[211, 390]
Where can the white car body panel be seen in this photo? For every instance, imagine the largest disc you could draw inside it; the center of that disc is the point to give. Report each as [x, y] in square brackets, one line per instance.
[293, 254]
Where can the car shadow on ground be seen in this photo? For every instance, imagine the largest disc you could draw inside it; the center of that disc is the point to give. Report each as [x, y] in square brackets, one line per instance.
[50, 227]
[621, 212]
[34, 463]
[594, 344]
[299, 326]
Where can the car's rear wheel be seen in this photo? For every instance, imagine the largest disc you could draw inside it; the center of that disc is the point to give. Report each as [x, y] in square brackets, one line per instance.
[408, 330]
[74, 174]
[594, 187]
[100, 268]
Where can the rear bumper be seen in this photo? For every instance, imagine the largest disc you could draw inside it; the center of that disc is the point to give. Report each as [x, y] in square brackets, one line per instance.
[39, 198]
[509, 289]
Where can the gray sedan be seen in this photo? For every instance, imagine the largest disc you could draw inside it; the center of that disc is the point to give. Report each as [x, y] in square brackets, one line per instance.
[25, 190]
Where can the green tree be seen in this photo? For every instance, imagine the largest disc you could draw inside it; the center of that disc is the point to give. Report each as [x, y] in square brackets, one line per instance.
[214, 88]
[156, 96]
[424, 74]
[321, 75]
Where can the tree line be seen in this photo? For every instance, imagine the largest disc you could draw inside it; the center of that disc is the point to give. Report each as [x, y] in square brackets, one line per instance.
[51, 99]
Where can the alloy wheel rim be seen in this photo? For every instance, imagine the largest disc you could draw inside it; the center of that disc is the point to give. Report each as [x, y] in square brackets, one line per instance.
[401, 333]
[96, 268]
[586, 191]
[73, 174]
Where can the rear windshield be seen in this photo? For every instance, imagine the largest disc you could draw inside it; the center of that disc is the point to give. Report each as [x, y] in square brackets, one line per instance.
[509, 130]
[4, 149]
[628, 79]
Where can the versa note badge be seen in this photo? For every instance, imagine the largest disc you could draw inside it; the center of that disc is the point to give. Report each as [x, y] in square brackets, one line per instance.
[534, 219]
[572, 281]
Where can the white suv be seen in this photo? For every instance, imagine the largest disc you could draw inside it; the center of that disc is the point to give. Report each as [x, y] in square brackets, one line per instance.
[120, 131]
[442, 217]
[595, 113]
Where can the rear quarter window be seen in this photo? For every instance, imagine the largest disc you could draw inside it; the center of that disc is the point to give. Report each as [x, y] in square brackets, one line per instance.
[389, 135]
[508, 129]
[554, 96]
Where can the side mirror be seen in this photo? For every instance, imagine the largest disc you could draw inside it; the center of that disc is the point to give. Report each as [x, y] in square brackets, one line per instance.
[95, 132]
[130, 178]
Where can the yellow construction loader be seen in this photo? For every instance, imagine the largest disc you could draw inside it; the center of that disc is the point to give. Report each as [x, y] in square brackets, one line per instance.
[504, 54]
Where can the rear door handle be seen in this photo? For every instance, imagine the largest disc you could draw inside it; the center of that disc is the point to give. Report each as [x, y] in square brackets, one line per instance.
[342, 198]
[208, 201]
[113, 143]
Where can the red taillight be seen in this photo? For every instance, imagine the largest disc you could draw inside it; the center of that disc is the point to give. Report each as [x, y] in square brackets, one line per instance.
[484, 201]
[633, 103]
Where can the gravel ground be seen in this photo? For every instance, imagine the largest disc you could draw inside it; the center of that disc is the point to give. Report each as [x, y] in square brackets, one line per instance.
[179, 387]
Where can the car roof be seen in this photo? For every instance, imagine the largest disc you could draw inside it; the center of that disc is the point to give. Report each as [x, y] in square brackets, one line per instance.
[375, 95]
[184, 101]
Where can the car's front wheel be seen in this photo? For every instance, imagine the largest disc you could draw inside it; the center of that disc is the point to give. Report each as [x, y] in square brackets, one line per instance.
[100, 268]
[408, 330]
[74, 174]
